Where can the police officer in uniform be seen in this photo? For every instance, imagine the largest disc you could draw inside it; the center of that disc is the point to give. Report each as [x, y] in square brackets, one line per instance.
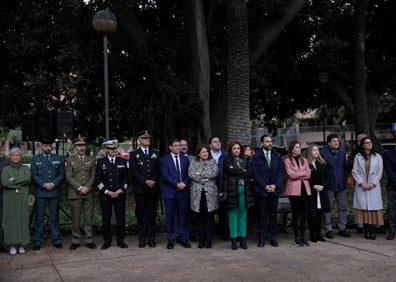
[48, 172]
[144, 164]
[111, 178]
[80, 175]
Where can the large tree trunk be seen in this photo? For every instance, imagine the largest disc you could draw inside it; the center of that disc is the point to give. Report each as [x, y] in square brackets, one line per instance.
[200, 65]
[238, 107]
[359, 71]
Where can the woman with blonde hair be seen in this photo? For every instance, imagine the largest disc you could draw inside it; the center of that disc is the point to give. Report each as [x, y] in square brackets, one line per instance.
[319, 199]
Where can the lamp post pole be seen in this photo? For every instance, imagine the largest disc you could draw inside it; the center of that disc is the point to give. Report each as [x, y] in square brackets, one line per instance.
[323, 79]
[104, 22]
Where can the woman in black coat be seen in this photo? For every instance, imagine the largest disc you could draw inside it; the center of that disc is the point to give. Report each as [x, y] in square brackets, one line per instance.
[319, 200]
[235, 181]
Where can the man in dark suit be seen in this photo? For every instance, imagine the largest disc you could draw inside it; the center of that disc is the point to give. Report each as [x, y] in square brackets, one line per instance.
[112, 177]
[144, 165]
[176, 194]
[48, 171]
[268, 174]
[390, 168]
[3, 163]
[336, 168]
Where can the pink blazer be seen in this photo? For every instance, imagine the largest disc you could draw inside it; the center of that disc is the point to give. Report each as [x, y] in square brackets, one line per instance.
[296, 174]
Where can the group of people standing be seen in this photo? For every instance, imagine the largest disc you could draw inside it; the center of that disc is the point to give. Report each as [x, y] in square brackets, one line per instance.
[190, 186]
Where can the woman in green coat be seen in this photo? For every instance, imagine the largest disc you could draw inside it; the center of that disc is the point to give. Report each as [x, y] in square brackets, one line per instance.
[16, 179]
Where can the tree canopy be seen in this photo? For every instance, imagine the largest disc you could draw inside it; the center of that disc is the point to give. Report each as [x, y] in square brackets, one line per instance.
[169, 64]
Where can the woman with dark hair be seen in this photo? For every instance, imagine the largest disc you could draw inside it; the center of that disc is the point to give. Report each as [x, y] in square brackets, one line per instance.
[16, 179]
[367, 200]
[298, 190]
[235, 181]
[203, 193]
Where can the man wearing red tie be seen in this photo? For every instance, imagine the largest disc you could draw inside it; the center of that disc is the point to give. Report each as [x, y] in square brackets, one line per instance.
[176, 193]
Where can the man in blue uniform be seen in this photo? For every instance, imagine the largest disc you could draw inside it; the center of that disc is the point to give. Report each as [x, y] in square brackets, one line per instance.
[112, 177]
[144, 164]
[48, 171]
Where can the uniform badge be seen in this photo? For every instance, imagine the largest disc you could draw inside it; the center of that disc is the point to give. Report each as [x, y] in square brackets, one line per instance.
[137, 156]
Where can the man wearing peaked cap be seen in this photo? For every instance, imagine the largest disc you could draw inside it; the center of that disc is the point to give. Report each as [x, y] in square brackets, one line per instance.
[112, 177]
[144, 165]
[111, 144]
[79, 141]
[144, 134]
[80, 175]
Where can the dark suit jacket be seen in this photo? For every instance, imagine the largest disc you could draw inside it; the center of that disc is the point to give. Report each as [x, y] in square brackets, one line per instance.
[390, 168]
[44, 171]
[264, 175]
[335, 169]
[111, 177]
[170, 178]
[144, 168]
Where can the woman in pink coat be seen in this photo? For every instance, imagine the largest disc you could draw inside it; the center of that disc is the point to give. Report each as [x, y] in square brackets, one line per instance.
[298, 190]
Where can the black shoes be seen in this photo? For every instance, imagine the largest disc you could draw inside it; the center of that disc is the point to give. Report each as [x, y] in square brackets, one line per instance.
[58, 246]
[274, 243]
[73, 246]
[170, 244]
[390, 236]
[152, 244]
[201, 244]
[36, 247]
[90, 245]
[298, 242]
[142, 244]
[122, 245]
[330, 234]
[321, 239]
[185, 244]
[105, 246]
[261, 243]
[304, 241]
[344, 233]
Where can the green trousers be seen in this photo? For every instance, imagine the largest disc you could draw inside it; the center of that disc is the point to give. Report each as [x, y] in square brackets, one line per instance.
[237, 217]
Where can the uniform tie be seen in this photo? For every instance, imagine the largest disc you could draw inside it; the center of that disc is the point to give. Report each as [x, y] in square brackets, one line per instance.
[146, 152]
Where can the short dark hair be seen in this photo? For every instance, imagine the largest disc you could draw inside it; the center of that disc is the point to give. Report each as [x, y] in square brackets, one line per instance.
[173, 141]
[263, 136]
[332, 136]
[213, 137]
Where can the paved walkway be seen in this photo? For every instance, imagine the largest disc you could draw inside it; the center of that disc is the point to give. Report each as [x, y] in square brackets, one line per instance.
[341, 259]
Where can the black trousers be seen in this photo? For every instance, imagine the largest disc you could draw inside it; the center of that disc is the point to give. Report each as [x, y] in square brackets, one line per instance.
[106, 206]
[205, 221]
[146, 214]
[299, 206]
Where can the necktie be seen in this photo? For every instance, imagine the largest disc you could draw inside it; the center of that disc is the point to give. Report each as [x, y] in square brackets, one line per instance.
[112, 161]
[146, 152]
[47, 158]
[267, 157]
[178, 167]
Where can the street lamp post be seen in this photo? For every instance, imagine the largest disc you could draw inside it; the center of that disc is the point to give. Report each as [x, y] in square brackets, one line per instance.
[104, 22]
[323, 79]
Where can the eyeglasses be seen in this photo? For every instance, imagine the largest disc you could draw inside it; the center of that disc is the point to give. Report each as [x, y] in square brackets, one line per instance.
[368, 142]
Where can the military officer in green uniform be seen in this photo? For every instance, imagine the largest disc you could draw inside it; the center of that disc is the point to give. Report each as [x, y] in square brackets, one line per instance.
[80, 176]
[48, 172]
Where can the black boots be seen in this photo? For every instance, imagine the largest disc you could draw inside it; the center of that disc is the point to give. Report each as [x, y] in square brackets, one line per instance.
[243, 244]
[369, 231]
[234, 244]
